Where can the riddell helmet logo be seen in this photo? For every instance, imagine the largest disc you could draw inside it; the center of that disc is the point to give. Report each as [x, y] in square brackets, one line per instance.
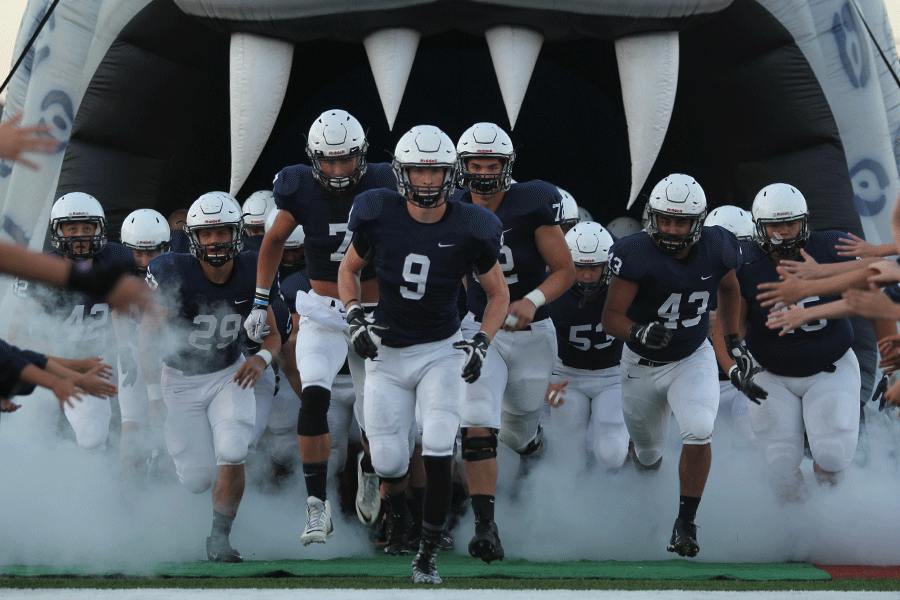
[428, 160]
[483, 151]
[212, 221]
[782, 214]
[78, 214]
[335, 152]
[675, 210]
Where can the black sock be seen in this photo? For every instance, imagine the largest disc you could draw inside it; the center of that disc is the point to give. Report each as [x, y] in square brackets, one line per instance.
[431, 533]
[417, 504]
[221, 526]
[687, 508]
[437, 491]
[316, 475]
[397, 503]
[366, 463]
[483, 507]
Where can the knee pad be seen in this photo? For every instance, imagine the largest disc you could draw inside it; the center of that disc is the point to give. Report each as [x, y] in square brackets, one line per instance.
[284, 449]
[649, 456]
[783, 458]
[439, 434]
[610, 450]
[314, 369]
[313, 417]
[196, 480]
[479, 447]
[231, 441]
[91, 433]
[390, 457]
[701, 429]
[832, 456]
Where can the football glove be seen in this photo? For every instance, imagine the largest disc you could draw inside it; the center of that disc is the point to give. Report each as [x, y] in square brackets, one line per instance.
[745, 384]
[361, 330]
[475, 350]
[255, 324]
[880, 389]
[739, 353]
[654, 335]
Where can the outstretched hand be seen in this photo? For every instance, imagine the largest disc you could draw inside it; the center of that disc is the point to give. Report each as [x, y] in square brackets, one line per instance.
[15, 140]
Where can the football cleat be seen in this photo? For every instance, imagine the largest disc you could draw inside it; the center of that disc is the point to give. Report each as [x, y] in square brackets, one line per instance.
[398, 534]
[368, 494]
[318, 522]
[424, 569]
[446, 541]
[219, 550]
[684, 538]
[486, 543]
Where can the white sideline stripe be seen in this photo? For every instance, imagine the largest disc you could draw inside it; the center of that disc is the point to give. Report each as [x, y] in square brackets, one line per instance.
[441, 594]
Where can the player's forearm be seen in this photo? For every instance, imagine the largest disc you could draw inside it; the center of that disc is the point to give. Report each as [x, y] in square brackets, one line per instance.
[840, 268]
[616, 324]
[494, 313]
[728, 315]
[37, 376]
[349, 286]
[270, 254]
[558, 282]
[831, 310]
[834, 286]
[33, 266]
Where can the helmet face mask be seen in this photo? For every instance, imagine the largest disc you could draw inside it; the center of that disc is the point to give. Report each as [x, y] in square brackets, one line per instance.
[337, 136]
[77, 207]
[215, 210]
[425, 147]
[775, 204]
[677, 196]
[485, 141]
[589, 243]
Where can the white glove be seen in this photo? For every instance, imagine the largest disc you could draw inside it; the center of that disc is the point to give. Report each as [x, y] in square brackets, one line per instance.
[256, 323]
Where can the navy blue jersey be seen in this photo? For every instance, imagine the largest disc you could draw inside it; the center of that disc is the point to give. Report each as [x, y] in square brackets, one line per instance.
[179, 242]
[581, 342]
[324, 215]
[206, 318]
[677, 293]
[252, 243]
[893, 292]
[420, 266]
[290, 287]
[525, 207]
[806, 350]
[86, 325]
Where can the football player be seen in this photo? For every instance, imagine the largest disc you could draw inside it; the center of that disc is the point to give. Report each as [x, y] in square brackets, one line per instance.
[569, 211]
[811, 373]
[256, 209]
[508, 397]
[422, 246]
[205, 381]
[78, 234]
[665, 281]
[585, 391]
[146, 233]
[319, 198]
[739, 222]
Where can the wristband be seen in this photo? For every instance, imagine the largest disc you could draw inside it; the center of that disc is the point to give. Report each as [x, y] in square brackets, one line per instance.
[536, 297]
[731, 370]
[349, 302]
[154, 392]
[261, 297]
[266, 356]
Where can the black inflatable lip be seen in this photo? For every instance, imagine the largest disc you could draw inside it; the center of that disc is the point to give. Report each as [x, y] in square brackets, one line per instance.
[567, 19]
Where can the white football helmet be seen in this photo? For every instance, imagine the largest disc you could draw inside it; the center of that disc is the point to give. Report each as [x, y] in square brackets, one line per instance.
[211, 210]
[584, 214]
[622, 226]
[677, 196]
[257, 207]
[489, 141]
[733, 218]
[569, 210]
[337, 134]
[589, 244]
[425, 146]
[780, 203]
[146, 229]
[77, 206]
[297, 237]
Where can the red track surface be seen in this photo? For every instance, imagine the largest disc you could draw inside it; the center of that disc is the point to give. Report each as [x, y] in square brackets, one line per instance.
[860, 572]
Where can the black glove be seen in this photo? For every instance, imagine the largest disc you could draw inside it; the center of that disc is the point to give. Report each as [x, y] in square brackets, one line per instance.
[128, 368]
[475, 350]
[361, 330]
[745, 383]
[880, 389]
[739, 353]
[654, 336]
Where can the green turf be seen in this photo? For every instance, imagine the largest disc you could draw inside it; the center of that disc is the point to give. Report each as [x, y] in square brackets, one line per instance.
[453, 566]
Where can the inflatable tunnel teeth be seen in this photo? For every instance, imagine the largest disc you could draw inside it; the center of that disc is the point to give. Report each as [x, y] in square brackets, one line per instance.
[648, 71]
[514, 51]
[391, 54]
[260, 68]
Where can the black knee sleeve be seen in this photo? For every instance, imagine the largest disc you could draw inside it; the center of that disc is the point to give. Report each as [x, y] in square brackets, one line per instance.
[313, 417]
[479, 447]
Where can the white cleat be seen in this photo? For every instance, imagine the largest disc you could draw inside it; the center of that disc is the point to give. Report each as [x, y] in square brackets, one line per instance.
[368, 494]
[318, 522]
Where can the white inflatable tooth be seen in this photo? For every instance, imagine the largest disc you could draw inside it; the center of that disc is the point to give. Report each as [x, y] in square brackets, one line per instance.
[514, 51]
[260, 69]
[648, 70]
[391, 54]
